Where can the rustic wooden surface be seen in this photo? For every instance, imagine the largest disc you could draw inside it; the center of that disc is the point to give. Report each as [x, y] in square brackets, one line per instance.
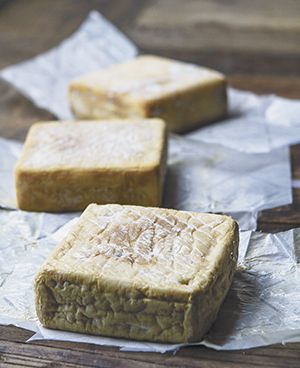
[255, 42]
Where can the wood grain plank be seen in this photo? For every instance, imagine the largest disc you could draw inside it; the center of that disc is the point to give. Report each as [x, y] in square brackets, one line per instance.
[67, 352]
[286, 86]
[252, 25]
[39, 355]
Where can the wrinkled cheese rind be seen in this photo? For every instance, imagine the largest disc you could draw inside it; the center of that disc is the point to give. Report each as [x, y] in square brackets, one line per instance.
[182, 94]
[66, 166]
[140, 273]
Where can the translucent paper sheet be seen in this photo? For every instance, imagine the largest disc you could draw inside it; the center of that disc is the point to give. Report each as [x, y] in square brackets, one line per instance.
[26, 239]
[255, 124]
[212, 178]
[262, 307]
[9, 152]
[201, 177]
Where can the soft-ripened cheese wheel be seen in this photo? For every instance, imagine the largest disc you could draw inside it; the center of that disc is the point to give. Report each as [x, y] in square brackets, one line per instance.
[66, 166]
[139, 273]
[182, 94]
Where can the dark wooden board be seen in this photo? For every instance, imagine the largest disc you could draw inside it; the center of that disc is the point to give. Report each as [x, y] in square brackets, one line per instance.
[255, 42]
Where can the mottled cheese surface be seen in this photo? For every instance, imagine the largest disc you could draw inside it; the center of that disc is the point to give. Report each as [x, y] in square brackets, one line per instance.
[172, 268]
[156, 247]
[148, 77]
[90, 144]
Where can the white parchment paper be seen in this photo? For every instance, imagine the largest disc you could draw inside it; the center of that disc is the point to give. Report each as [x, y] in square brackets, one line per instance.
[212, 178]
[262, 307]
[255, 124]
[9, 152]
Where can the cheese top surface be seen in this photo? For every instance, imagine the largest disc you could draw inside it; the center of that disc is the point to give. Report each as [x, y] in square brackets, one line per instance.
[145, 247]
[118, 144]
[146, 78]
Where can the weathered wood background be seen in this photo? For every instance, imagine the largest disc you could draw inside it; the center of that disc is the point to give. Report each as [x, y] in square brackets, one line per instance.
[255, 42]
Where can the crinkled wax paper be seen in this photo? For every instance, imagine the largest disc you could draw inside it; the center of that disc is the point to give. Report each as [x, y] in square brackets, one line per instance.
[212, 178]
[9, 152]
[201, 177]
[255, 123]
[262, 307]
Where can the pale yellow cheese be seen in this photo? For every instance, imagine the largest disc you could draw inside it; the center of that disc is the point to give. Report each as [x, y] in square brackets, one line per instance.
[184, 95]
[138, 272]
[66, 166]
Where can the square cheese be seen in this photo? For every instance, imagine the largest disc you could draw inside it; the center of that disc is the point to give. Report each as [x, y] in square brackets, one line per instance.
[66, 166]
[139, 273]
[182, 94]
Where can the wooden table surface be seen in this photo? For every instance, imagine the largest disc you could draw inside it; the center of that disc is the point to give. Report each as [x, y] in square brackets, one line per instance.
[255, 42]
